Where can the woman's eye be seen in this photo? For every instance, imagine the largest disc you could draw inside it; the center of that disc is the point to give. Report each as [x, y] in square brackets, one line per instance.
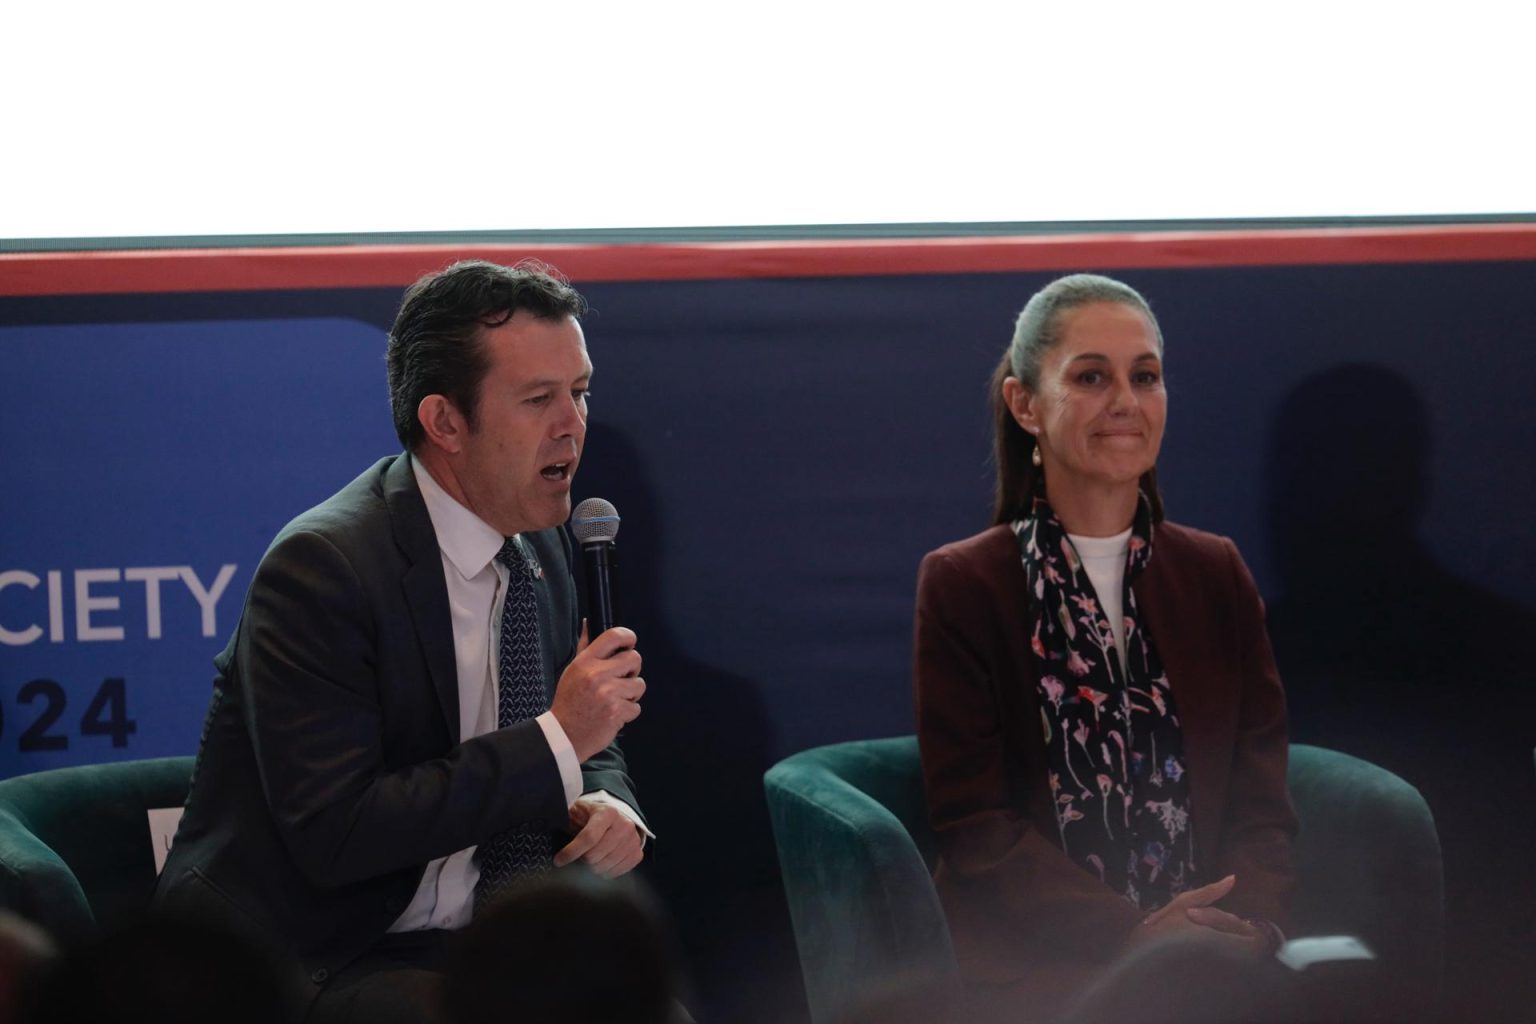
[1148, 378]
[1090, 377]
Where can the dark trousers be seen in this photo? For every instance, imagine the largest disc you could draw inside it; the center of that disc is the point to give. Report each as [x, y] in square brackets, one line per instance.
[398, 981]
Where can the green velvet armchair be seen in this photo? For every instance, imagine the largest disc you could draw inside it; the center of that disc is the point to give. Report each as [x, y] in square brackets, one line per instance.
[851, 828]
[75, 847]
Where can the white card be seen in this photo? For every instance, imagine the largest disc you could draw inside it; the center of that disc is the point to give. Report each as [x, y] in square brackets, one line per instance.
[1299, 954]
[162, 829]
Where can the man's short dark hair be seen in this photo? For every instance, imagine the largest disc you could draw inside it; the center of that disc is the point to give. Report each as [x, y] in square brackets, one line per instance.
[435, 346]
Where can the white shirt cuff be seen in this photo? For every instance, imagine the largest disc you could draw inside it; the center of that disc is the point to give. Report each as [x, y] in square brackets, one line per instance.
[602, 796]
[565, 755]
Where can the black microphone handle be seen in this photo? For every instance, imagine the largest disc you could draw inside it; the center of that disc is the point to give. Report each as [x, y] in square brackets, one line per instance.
[596, 559]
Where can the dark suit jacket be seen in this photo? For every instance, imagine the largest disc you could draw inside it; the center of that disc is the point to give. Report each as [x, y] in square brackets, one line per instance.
[331, 769]
[1022, 913]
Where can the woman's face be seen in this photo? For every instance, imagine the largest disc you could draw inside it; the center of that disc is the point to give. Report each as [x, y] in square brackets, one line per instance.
[1099, 409]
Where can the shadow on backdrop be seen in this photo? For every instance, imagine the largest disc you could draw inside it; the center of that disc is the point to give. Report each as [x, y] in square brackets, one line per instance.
[697, 755]
[1388, 655]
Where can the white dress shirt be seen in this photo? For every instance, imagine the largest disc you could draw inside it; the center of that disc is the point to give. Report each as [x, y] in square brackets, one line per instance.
[477, 588]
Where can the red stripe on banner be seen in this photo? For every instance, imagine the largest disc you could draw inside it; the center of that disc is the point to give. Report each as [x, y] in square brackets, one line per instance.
[109, 272]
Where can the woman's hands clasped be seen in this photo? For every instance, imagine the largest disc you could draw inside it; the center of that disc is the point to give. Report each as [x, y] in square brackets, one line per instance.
[1193, 913]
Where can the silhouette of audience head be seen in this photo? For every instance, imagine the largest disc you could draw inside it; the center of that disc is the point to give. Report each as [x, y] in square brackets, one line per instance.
[25, 951]
[164, 969]
[563, 947]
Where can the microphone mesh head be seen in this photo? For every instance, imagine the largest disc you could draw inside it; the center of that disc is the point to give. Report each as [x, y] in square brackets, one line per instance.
[595, 521]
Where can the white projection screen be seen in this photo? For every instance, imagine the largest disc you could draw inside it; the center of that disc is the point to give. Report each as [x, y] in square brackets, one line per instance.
[190, 119]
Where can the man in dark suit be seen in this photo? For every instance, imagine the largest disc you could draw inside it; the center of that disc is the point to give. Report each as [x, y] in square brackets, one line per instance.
[409, 709]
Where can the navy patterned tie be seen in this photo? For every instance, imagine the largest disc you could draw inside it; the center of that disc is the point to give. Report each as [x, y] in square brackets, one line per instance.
[522, 849]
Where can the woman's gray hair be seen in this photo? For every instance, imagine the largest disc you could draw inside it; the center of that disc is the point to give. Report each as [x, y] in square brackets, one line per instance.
[1038, 327]
[1036, 332]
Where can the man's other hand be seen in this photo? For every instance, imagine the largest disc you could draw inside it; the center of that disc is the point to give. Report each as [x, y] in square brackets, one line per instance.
[606, 840]
[599, 690]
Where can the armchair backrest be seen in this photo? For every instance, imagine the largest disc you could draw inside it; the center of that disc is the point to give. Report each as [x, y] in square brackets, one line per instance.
[851, 826]
[1368, 865]
[75, 848]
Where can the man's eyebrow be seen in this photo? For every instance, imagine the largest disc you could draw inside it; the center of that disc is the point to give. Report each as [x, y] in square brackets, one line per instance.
[544, 383]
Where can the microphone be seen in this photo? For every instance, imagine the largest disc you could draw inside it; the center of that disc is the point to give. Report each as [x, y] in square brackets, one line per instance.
[595, 524]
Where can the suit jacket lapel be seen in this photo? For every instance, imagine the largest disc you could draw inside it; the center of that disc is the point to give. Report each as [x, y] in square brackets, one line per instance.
[422, 581]
[552, 592]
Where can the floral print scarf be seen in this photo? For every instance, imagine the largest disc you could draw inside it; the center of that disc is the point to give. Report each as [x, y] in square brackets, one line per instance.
[1115, 748]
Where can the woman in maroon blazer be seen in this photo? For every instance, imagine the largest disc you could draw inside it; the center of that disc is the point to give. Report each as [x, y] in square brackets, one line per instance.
[1102, 727]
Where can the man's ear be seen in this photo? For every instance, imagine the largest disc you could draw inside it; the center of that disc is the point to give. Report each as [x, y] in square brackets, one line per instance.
[443, 424]
[1021, 402]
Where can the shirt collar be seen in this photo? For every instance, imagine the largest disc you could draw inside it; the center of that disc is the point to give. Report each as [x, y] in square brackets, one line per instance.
[468, 541]
[1103, 547]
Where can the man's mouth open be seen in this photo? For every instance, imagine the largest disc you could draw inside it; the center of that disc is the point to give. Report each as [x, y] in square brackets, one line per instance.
[556, 471]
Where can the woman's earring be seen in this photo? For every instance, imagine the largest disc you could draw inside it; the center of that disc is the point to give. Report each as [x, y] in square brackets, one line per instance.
[1034, 455]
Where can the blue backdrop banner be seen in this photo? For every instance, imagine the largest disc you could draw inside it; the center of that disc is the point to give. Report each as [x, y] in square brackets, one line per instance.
[783, 451]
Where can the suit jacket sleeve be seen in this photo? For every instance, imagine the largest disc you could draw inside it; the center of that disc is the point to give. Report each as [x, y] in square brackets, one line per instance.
[1010, 891]
[607, 770]
[360, 780]
[1259, 823]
